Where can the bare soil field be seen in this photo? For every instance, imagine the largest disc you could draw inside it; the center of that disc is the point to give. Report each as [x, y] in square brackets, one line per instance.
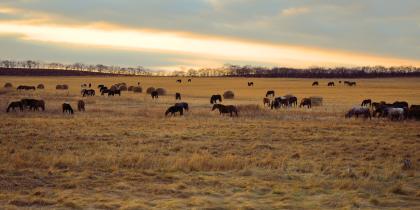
[123, 153]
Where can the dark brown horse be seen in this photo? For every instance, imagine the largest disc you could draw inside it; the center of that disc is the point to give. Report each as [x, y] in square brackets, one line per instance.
[67, 108]
[331, 84]
[250, 84]
[366, 102]
[33, 104]
[177, 96]
[306, 102]
[179, 81]
[226, 109]
[270, 93]
[89, 92]
[215, 98]
[15, 104]
[154, 94]
[183, 105]
[316, 83]
[174, 109]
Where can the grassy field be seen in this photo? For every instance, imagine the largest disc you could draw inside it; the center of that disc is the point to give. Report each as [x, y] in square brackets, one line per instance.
[123, 153]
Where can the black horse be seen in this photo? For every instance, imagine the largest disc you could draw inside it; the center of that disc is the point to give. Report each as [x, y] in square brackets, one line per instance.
[215, 98]
[225, 109]
[250, 84]
[270, 93]
[316, 83]
[331, 84]
[177, 96]
[293, 101]
[111, 93]
[154, 94]
[67, 108]
[174, 109]
[15, 104]
[179, 81]
[366, 102]
[33, 104]
[306, 102]
[183, 105]
[280, 102]
[89, 92]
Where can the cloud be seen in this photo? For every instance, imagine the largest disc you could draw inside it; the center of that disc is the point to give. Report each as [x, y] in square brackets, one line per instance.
[294, 11]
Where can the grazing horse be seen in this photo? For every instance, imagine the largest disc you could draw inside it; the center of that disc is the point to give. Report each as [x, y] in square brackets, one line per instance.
[25, 87]
[81, 106]
[225, 109]
[352, 84]
[279, 102]
[293, 101]
[316, 83]
[215, 98]
[183, 105]
[174, 109]
[366, 102]
[266, 101]
[15, 104]
[154, 94]
[177, 96]
[331, 84]
[396, 113]
[306, 102]
[33, 104]
[270, 93]
[179, 81]
[67, 108]
[89, 92]
[250, 84]
[356, 111]
[189, 80]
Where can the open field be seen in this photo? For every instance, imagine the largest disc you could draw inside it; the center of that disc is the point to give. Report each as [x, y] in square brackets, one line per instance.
[124, 153]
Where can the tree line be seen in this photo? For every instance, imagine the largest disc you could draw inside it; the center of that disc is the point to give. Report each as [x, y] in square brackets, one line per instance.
[228, 70]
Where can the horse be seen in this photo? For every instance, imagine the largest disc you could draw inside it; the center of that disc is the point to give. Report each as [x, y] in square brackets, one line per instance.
[111, 93]
[250, 84]
[189, 80]
[266, 101]
[316, 83]
[396, 113]
[67, 108]
[400, 104]
[183, 105]
[174, 109]
[374, 105]
[351, 84]
[179, 81]
[15, 104]
[225, 109]
[215, 98]
[89, 92]
[25, 87]
[270, 93]
[306, 102]
[366, 102]
[382, 109]
[331, 84]
[177, 96]
[356, 111]
[154, 94]
[279, 102]
[105, 91]
[33, 104]
[81, 106]
[117, 92]
[414, 112]
[293, 101]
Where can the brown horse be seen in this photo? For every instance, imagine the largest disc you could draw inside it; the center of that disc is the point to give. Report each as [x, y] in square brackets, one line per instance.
[15, 104]
[177, 96]
[266, 101]
[225, 109]
[174, 109]
[306, 102]
[67, 108]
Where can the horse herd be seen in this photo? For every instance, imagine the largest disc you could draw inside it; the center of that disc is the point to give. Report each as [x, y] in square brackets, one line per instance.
[398, 110]
[332, 84]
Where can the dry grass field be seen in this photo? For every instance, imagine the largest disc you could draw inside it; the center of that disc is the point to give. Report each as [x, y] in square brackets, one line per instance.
[123, 153]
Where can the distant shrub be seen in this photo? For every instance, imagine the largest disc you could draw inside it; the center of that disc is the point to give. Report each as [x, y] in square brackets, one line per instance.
[137, 89]
[161, 91]
[228, 95]
[40, 86]
[150, 90]
[8, 85]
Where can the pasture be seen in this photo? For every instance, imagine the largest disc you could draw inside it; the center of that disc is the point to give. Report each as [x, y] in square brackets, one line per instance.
[123, 153]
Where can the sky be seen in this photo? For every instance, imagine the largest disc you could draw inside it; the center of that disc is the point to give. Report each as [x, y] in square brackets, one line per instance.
[182, 34]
